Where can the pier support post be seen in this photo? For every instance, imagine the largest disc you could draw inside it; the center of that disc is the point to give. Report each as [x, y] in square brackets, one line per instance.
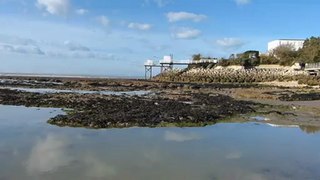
[166, 67]
[148, 72]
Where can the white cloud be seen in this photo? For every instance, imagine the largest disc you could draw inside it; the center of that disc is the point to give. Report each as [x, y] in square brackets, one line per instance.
[159, 3]
[17, 40]
[67, 49]
[180, 137]
[81, 55]
[182, 16]
[140, 26]
[103, 20]
[16, 44]
[75, 47]
[21, 49]
[230, 43]
[186, 33]
[81, 11]
[242, 2]
[54, 7]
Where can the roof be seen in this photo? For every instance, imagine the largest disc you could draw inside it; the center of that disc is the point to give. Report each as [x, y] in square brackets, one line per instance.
[289, 40]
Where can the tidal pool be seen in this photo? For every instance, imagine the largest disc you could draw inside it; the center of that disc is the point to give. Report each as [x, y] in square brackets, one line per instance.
[32, 149]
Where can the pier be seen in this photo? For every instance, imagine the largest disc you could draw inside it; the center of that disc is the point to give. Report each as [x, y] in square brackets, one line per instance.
[168, 64]
[313, 68]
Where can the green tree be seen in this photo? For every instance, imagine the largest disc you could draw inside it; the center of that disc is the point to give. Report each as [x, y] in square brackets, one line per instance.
[310, 53]
[286, 54]
[196, 57]
[266, 59]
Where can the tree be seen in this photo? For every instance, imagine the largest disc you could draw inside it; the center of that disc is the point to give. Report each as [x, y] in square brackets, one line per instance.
[196, 57]
[266, 59]
[224, 62]
[286, 54]
[248, 59]
[310, 53]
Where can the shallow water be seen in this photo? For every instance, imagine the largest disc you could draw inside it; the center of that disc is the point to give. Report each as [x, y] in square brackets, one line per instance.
[32, 149]
[51, 91]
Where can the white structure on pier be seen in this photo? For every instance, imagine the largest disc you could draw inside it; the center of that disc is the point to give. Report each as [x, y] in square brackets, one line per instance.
[149, 62]
[167, 60]
[295, 43]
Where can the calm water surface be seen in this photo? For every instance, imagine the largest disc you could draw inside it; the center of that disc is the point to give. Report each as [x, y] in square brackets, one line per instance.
[32, 149]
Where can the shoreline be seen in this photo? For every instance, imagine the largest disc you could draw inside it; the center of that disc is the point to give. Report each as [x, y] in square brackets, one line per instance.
[71, 76]
[171, 104]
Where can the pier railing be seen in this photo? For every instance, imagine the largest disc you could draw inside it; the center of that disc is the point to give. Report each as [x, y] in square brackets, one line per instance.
[312, 66]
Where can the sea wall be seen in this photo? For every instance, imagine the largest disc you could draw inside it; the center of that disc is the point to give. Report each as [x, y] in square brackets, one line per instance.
[232, 75]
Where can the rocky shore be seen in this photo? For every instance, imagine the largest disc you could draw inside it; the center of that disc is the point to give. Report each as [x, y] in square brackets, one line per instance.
[95, 84]
[100, 111]
[170, 103]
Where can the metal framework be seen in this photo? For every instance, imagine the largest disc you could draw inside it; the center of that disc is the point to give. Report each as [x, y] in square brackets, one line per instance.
[167, 66]
[164, 67]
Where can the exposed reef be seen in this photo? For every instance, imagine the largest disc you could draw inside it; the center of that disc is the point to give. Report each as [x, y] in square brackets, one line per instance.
[101, 111]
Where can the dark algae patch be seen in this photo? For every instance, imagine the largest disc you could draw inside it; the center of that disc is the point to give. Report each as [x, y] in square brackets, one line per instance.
[107, 111]
[153, 112]
[288, 95]
[301, 97]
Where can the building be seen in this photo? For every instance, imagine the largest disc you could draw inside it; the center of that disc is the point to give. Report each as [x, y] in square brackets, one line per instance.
[296, 43]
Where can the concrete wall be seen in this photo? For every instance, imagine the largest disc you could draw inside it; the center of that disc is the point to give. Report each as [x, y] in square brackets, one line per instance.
[297, 44]
[230, 67]
[296, 66]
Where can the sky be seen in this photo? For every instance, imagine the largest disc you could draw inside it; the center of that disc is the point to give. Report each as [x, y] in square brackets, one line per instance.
[116, 37]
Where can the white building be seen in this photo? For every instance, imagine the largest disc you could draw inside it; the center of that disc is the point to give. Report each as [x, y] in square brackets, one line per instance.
[296, 43]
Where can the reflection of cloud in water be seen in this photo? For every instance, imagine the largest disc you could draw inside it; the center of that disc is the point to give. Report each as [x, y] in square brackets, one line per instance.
[48, 155]
[153, 155]
[241, 174]
[282, 126]
[234, 155]
[180, 137]
[97, 169]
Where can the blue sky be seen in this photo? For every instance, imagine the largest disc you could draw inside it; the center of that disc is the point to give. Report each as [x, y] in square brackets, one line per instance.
[116, 37]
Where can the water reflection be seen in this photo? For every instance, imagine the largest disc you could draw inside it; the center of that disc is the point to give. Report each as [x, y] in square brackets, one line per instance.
[48, 155]
[97, 168]
[53, 155]
[282, 126]
[310, 129]
[224, 151]
[180, 136]
[234, 155]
